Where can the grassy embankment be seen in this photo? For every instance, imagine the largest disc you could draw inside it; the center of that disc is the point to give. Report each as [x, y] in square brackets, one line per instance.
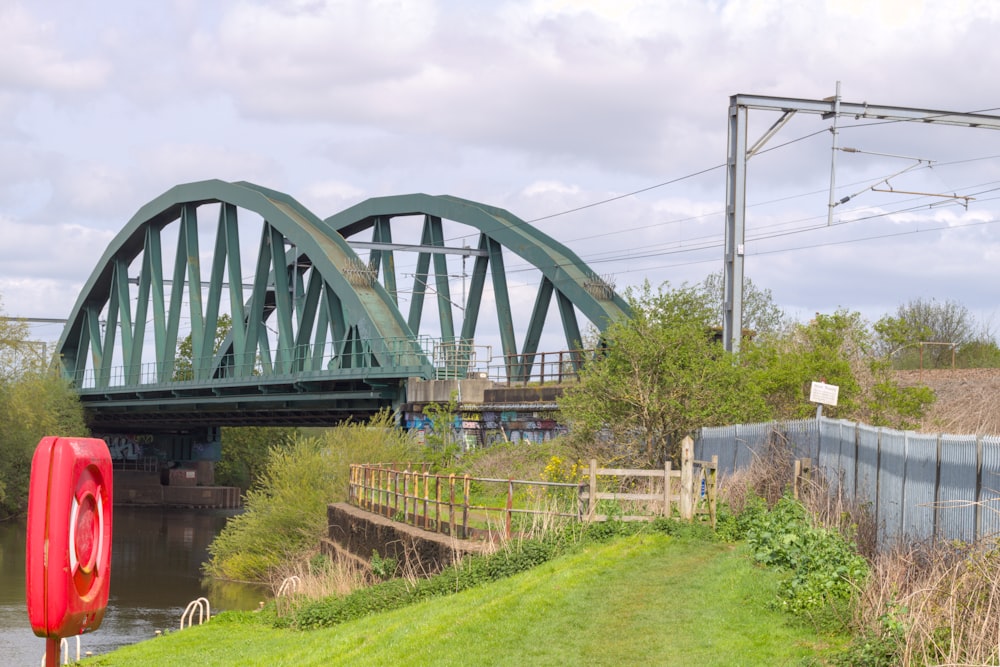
[644, 599]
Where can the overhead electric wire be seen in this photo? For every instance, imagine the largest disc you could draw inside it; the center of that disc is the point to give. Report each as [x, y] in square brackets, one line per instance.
[627, 194]
[815, 245]
[909, 120]
[718, 243]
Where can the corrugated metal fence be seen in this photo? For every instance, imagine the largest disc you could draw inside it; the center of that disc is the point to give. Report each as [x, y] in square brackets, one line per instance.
[919, 485]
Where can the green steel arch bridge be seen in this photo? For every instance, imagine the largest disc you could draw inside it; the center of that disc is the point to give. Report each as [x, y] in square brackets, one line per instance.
[324, 325]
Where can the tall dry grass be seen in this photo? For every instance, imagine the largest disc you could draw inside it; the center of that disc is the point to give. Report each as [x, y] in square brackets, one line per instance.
[935, 603]
[318, 577]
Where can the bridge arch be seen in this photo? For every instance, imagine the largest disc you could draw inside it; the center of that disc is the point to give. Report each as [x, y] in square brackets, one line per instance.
[301, 318]
[563, 274]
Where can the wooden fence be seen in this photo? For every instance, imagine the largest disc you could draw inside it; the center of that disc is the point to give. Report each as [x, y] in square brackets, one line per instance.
[693, 490]
[460, 505]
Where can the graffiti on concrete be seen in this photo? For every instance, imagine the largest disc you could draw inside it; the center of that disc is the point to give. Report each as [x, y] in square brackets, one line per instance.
[127, 446]
[485, 429]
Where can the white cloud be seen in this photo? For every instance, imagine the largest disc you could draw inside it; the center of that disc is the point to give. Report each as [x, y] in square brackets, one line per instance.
[325, 198]
[550, 187]
[31, 58]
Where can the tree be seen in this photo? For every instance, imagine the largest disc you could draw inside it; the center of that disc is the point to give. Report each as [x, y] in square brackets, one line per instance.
[184, 359]
[980, 353]
[35, 401]
[245, 451]
[925, 321]
[657, 377]
[661, 375]
[760, 314]
[838, 349]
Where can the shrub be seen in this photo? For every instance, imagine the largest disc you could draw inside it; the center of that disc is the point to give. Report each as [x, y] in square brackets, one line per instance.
[285, 515]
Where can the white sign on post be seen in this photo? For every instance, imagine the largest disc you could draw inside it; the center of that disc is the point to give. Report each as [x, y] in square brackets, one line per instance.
[824, 393]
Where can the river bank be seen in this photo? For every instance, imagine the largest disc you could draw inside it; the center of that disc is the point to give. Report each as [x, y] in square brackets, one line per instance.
[157, 554]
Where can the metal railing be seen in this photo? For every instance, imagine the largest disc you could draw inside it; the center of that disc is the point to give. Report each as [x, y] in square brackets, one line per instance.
[540, 368]
[459, 505]
[455, 504]
[143, 464]
[401, 357]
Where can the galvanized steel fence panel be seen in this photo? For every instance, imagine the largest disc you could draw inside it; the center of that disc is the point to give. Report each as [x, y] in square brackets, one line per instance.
[718, 441]
[957, 487]
[751, 442]
[836, 454]
[867, 464]
[919, 486]
[891, 467]
[989, 494]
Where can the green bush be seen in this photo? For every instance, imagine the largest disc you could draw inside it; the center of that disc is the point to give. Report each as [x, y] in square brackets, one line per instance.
[285, 516]
[879, 646]
[824, 568]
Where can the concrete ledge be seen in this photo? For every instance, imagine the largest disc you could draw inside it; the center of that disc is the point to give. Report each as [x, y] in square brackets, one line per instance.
[441, 391]
[202, 496]
[358, 532]
[533, 394]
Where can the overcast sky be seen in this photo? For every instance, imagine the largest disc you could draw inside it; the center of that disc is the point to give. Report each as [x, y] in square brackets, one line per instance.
[539, 107]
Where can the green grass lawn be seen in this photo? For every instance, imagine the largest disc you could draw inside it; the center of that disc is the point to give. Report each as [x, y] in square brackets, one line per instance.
[643, 600]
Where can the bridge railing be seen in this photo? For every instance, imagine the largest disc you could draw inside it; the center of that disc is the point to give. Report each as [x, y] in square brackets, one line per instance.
[341, 358]
[540, 368]
[404, 357]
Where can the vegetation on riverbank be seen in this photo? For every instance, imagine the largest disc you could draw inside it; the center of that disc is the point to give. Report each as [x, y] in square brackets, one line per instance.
[285, 516]
[35, 401]
[611, 597]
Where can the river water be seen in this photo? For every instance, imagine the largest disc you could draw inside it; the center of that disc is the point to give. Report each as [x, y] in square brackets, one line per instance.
[156, 561]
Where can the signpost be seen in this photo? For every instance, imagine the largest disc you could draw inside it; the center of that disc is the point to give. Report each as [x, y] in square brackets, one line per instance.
[68, 550]
[822, 394]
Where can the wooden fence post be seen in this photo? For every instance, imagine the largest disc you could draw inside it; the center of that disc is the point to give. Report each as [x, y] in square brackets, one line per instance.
[592, 498]
[383, 498]
[451, 504]
[352, 487]
[406, 494]
[427, 482]
[667, 470]
[395, 493]
[465, 508]
[510, 505]
[687, 479]
[713, 489]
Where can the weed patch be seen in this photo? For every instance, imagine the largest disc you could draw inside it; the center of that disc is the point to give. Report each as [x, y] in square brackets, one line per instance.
[824, 569]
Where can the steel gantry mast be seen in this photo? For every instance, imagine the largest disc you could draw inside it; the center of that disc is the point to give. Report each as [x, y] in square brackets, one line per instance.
[736, 172]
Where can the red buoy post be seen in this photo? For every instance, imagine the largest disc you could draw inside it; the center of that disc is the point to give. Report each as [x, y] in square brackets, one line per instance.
[68, 549]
